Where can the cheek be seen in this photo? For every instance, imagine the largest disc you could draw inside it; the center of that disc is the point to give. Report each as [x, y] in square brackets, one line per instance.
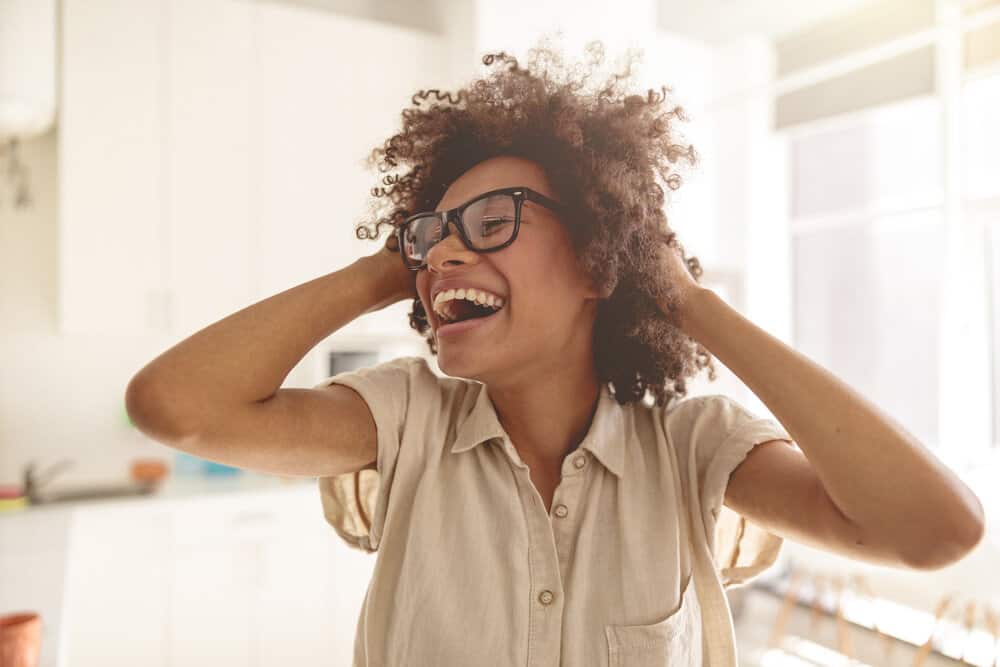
[422, 287]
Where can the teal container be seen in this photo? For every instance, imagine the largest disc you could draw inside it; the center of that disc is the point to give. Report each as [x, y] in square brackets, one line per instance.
[216, 469]
[188, 465]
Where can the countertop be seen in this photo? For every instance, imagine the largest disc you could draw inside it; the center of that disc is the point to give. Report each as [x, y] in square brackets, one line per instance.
[175, 487]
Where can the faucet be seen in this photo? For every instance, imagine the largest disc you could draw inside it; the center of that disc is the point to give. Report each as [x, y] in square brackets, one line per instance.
[32, 483]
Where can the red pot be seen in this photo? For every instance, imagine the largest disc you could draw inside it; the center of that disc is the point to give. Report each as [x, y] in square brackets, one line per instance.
[20, 639]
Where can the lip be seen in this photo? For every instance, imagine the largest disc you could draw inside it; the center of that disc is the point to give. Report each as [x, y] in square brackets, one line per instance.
[456, 328]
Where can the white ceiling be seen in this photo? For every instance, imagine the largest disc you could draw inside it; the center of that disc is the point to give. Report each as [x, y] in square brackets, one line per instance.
[712, 21]
[719, 21]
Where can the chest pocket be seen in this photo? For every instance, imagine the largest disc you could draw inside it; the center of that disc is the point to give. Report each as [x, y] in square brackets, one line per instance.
[674, 641]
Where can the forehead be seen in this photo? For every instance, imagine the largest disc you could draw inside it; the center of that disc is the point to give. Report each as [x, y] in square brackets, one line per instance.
[497, 172]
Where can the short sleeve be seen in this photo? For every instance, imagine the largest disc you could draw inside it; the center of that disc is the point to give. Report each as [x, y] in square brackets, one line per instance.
[721, 432]
[356, 503]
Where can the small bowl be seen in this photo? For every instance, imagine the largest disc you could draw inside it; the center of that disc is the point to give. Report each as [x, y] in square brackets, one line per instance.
[149, 471]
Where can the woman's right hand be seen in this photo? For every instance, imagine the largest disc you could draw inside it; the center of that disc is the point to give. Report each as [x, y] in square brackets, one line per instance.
[394, 281]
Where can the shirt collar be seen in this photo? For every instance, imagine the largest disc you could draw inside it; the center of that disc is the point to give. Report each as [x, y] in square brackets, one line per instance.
[605, 439]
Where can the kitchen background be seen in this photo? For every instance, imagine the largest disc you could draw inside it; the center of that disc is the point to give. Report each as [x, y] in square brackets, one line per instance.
[167, 162]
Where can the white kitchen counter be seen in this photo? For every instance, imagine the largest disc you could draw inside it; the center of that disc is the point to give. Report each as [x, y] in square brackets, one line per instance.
[174, 487]
[35, 540]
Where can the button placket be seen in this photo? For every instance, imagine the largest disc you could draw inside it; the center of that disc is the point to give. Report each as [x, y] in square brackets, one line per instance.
[545, 619]
[567, 495]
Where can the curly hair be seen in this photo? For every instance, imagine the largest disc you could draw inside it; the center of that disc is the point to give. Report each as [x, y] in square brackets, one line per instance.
[602, 151]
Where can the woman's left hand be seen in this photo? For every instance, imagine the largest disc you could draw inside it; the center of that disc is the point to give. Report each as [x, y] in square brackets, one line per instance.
[685, 286]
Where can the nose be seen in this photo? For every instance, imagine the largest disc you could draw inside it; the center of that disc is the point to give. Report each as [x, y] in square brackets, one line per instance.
[450, 247]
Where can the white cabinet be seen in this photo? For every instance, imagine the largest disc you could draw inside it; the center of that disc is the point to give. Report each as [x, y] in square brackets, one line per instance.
[227, 580]
[209, 58]
[212, 155]
[262, 579]
[155, 166]
[324, 95]
[210, 606]
[299, 619]
[111, 155]
[116, 594]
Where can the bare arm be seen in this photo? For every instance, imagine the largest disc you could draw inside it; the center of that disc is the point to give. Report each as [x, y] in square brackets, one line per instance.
[217, 394]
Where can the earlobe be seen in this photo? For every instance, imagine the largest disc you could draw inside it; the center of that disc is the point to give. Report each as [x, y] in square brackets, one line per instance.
[594, 289]
[602, 292]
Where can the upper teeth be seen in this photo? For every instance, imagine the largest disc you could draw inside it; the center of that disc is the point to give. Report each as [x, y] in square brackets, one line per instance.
[483, 298]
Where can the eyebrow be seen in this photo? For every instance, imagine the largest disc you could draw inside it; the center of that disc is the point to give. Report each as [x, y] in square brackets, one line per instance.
[472, 198]
[526, 200]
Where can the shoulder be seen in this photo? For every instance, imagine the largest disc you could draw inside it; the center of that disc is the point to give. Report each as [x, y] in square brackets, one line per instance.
[711, 415]
[705, 426]
[417, 386]
[410, 372]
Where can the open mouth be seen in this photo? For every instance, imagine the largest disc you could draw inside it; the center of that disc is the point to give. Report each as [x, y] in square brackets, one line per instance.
[461, 314]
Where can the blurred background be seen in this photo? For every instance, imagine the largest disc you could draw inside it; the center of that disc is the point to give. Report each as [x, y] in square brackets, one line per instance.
[164, 163]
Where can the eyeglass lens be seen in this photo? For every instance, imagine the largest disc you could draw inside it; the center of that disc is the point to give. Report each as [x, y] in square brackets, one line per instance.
[488, 223]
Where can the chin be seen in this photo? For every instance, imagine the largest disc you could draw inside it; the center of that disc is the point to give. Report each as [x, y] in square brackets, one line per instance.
[460, 361]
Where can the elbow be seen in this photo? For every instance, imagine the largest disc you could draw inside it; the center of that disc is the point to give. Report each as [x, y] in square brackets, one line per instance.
[152, 412]
[943, 552]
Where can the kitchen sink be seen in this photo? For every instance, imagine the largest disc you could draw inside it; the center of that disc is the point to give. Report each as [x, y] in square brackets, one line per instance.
[95, 493]
[33, 483]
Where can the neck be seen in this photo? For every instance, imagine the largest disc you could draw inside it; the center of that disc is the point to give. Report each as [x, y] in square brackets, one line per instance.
[549, 414]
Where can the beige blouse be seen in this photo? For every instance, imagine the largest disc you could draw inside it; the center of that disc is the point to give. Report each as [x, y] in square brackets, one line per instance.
[472, 570]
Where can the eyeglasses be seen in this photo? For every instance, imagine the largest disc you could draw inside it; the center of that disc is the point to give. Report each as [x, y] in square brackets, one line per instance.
[486, 223]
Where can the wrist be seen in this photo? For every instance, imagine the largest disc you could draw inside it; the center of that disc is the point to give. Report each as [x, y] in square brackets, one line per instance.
[690, 304]
[384, 272]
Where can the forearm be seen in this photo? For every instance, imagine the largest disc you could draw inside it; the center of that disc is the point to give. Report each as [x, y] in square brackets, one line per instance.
[246, 356]
[876, 472]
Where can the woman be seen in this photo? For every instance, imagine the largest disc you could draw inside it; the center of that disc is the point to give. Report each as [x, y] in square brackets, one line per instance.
[529, 507]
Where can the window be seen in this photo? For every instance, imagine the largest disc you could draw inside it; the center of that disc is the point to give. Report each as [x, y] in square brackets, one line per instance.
[869, 195]
[867, 306]
[866, 201]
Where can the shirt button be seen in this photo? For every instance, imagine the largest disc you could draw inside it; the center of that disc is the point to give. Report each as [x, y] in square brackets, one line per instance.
[546, 597]
[580, 461]
[561, 511]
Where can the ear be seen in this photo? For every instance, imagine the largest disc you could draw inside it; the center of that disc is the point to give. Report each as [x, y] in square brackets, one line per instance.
[591, 287]
[597, 292]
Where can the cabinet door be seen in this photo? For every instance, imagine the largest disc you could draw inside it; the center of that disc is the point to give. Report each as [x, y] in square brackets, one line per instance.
[116, 587]
[311, 588]
[323, 97]
[217, 553]
[210, 605]
[111, 115]
[208, 178]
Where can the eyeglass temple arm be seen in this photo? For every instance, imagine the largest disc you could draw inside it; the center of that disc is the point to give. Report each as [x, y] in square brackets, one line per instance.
[541, 199]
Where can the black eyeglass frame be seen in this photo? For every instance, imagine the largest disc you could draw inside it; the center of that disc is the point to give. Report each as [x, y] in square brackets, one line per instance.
[520, 194]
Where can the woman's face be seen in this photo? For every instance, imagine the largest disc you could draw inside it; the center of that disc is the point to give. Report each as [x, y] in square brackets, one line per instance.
[547, 317]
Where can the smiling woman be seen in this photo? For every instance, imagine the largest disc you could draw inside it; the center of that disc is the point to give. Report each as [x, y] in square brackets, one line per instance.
[530, 505]
[531, 215]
